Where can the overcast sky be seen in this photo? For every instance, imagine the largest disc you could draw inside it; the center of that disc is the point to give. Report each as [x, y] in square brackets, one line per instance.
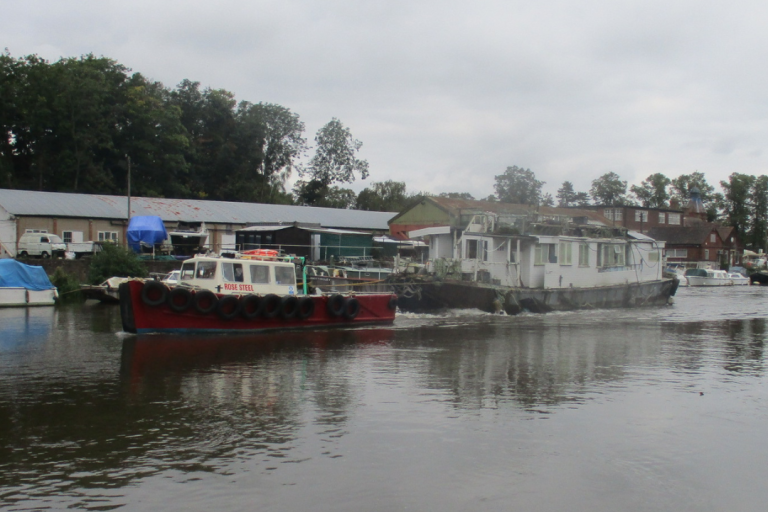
[444, 94]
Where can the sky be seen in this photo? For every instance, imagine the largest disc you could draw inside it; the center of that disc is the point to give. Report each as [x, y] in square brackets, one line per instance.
[445, 95]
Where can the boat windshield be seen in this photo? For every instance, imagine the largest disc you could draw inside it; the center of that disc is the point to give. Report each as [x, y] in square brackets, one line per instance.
[285, 276]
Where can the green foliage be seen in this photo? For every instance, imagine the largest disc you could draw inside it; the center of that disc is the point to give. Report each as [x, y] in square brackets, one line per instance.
[67, 285]
[759, 225]
[653, 191]
[387, 196]
[519, 186]
[115, 261]
[457, 195]
[334, 161]
[547, 200]
[609, 190]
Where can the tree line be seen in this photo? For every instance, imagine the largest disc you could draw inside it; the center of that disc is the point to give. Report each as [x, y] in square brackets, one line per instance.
[81, 124]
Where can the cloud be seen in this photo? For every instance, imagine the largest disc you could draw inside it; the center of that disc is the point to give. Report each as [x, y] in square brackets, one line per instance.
[445, 95]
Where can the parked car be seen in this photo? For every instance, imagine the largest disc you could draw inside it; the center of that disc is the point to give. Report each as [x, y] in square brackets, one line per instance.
[43, 245]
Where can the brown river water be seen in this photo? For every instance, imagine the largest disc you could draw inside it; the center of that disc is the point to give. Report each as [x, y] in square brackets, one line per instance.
[662, 409]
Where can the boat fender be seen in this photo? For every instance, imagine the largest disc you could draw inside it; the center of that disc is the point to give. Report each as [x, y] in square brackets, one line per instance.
[336, 305]
[251, 306]
[179, 299]
[351, 308]
[271, 305]
[154, 293]
[228, 307]
[306, 307]
[392, 304]
[289, 306]
[205, 302]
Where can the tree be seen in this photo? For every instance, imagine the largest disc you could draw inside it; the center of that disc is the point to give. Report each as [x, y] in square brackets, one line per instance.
[565, 194]
[581, 199]
[387, 196]
[653, 191]
[609, 190]
[547, 200]
[335, 161]
[115, 261]
[519, 186]
[737, 201]
[681, 193]
[759, 225]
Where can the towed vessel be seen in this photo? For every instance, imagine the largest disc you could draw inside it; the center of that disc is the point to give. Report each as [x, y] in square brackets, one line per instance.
[531, 262]
[254, 291]
[25, 285]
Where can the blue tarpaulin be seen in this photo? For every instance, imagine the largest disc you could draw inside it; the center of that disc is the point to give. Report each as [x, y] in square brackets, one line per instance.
[148, 229]
[18, 275]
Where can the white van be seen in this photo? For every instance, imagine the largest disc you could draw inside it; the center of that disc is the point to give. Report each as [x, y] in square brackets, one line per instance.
[43, 245]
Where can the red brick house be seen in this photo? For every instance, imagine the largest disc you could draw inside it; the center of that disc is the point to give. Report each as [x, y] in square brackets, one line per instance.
[701, 242]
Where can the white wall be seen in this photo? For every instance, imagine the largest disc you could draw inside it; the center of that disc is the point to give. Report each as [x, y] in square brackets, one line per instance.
[7, 234]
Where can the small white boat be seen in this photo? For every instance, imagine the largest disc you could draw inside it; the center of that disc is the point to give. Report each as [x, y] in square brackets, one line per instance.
[25, 285]
[738, 279]
[707, 277]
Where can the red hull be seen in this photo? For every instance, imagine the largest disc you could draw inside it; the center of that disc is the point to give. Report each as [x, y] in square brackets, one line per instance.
[140, 317]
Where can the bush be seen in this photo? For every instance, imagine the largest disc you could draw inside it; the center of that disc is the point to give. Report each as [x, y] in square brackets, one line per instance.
[114, 261]
[67, 285]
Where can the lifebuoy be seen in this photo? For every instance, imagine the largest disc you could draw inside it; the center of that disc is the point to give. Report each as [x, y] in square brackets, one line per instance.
[228, 307]
[306, 307]
[251, 306]
[154, 293]
[392, 304]
[179, 299]
[289, 306]
[270, 253]
[205, 302]
[271, 306]
[351, 308]
[335, 305]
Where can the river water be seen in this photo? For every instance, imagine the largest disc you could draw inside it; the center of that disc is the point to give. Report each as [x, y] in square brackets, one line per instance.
[631, 410]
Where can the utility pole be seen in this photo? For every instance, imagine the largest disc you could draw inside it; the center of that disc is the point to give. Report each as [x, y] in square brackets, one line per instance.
[129, 188]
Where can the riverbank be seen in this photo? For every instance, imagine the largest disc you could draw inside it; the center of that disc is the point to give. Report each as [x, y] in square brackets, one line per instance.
[79, 268]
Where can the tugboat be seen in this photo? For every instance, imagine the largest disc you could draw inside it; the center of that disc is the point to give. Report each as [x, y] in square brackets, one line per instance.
[252, 292]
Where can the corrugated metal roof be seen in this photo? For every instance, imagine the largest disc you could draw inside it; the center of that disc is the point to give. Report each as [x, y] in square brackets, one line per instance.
[58, 204]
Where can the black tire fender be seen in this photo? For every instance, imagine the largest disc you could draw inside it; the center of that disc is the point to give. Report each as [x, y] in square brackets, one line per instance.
[179, 299]
[228, 307]
[335, 305]
[351, 308]
[271, 305]
[306, 308]
[251, 306]
[205, 302]
[289, 306]
[154, 293]
[392, 304]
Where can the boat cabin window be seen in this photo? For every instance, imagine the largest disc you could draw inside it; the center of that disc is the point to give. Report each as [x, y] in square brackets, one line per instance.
[232, 272]
[187, 271]
[544, 253]
[260, 274]
[583, 255]
[477, 250]
[285, 275]
[206, 269]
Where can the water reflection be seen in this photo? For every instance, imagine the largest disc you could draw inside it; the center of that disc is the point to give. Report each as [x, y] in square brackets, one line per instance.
[91, 418]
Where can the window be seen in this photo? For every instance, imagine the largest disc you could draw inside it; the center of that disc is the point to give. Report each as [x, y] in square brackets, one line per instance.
[67, 236]
[677, 253]
[44, 240]
[706, 254]
[477, 249]
[545, 253]
[712, 238]
[674, 219]
[662, 217]
[641, 216]
[614, 214]
[611, 255]
[107, 236]
[565, 253]
[206, 270]
[187, 271]
[285, 276]
[260, 274]
[583, 255]
[232, 272]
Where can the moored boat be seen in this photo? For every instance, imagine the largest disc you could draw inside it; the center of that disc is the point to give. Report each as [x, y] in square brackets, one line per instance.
[25, 285]
[250, 293]
[707, 277]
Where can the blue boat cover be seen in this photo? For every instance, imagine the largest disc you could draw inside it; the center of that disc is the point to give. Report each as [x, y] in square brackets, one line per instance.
[148, 229]
[18, 275]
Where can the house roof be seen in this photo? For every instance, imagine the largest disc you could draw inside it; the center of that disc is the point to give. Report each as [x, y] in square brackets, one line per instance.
[468, 206]
[93, 206]
[683, 235]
